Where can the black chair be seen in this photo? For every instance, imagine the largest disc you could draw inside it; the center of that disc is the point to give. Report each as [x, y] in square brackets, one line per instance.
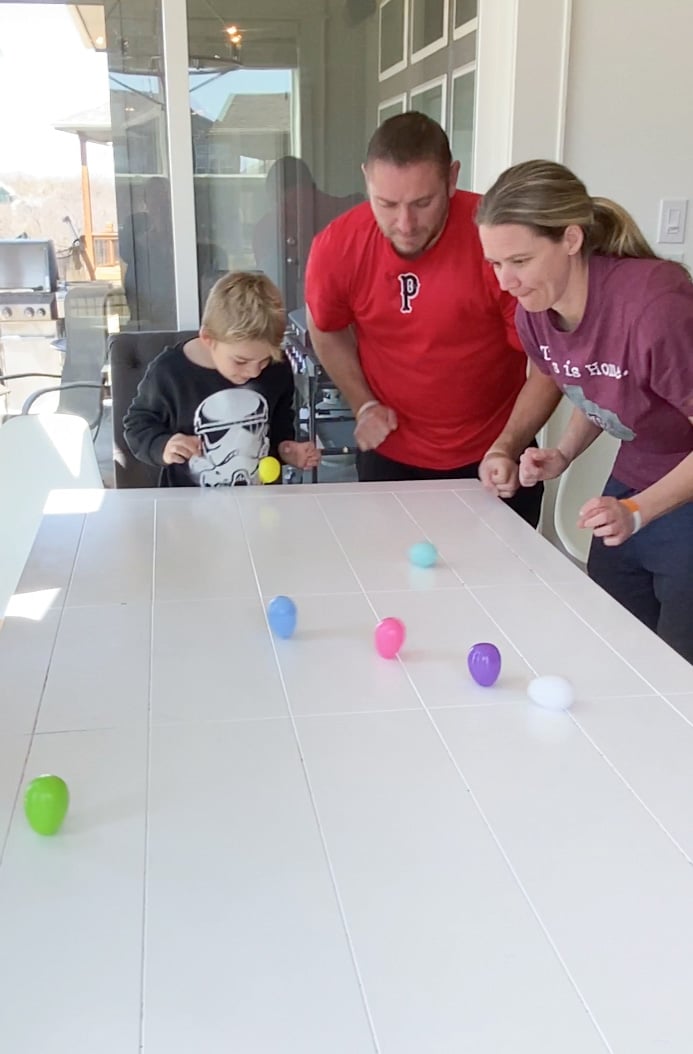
[130, 354]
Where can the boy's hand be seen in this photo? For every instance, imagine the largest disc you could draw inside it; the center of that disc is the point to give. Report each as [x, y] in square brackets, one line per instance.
[299, 455]
[181, 448]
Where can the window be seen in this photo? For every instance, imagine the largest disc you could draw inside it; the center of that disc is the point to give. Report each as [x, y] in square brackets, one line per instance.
[392, 38]
[391, 107]
[279, 113]
[429, 29]
[429, 98]
[465, 20]
[462, 122]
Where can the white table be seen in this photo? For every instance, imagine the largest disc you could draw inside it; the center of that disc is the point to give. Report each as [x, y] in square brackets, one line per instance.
[297, 847]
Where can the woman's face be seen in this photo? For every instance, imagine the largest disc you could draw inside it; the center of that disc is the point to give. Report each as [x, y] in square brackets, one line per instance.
[534, 269]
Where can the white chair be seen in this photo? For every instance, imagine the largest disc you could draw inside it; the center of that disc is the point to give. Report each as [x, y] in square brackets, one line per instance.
[582, 480]
[38, 453]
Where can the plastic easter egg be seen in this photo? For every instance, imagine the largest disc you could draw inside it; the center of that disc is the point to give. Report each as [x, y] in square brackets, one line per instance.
[45, 803]
[281, 615]
[389, 637]
[551, 692]
[423, 554]
[268, 470]
[484, 663]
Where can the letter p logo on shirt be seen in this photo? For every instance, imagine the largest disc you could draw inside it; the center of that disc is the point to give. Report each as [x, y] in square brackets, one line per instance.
[409, 286]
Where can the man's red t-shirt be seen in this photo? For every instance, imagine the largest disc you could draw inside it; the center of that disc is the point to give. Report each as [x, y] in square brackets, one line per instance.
[435, 334]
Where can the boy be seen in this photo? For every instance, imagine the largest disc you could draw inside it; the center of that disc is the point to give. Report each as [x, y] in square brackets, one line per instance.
[208, 410]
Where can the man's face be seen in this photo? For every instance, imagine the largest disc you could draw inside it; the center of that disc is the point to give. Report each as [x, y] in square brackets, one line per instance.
[410, 202]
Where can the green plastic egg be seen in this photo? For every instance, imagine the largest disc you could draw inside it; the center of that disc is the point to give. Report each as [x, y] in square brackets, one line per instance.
[45, 803]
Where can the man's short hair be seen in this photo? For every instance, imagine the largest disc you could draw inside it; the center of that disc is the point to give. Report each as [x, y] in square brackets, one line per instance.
[407, 138]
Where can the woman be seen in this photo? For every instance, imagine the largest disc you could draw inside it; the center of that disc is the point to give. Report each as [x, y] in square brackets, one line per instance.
[612, 324]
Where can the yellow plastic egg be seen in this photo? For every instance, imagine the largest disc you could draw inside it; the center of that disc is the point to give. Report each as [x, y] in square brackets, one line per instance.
[269, 470]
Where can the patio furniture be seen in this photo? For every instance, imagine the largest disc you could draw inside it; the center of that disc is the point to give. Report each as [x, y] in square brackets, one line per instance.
[38, 453]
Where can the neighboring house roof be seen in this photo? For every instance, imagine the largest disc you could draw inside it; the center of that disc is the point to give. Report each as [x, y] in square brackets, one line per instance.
[134, 110]
[254, 113]
[255, 125]
[94, 125]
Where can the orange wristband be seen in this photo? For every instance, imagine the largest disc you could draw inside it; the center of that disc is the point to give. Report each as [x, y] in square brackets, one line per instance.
[634, 509]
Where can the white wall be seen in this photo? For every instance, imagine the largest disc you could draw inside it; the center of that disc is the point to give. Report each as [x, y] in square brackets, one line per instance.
[628, 117]
[522, 80]
[628, 120]
[520, 99]
[604, 85]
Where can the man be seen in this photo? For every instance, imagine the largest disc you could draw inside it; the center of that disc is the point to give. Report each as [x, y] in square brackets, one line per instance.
[409, 322]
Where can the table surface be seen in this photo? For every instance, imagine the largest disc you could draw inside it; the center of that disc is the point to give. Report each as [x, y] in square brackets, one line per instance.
[296, 846]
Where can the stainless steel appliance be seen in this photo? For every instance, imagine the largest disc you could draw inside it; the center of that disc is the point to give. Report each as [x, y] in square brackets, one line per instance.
[323, 413]
[327, 407]
[29, 322]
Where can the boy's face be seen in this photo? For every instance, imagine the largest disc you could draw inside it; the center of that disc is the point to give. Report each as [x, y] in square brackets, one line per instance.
[241, 361]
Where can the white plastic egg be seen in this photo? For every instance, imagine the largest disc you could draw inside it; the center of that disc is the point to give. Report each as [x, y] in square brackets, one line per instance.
[551, 692]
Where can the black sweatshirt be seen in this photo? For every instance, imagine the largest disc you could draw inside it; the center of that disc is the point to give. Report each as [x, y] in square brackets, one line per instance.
[238, 424]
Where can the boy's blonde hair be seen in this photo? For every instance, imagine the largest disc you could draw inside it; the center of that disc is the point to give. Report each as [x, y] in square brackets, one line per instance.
[245, 305]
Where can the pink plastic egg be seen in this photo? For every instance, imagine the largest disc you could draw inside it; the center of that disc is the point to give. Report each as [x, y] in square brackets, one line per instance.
[389, 637]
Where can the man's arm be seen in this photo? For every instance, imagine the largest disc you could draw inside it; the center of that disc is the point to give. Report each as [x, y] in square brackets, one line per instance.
[339, 355]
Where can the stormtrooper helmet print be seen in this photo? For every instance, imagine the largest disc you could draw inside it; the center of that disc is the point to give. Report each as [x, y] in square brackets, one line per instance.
[233, 425]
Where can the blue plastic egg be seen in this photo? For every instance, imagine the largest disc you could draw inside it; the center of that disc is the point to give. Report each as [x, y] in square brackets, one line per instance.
[423, 554]
[281, 615]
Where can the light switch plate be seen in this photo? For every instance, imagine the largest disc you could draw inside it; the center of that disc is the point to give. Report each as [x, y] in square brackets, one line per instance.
[672, 220]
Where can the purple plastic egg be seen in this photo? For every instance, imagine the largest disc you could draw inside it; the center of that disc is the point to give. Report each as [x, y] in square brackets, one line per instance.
[484, 662]
[389, 637]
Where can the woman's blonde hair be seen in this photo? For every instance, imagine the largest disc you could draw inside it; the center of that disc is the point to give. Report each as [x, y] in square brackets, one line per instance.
[547, 197]
[245, 305]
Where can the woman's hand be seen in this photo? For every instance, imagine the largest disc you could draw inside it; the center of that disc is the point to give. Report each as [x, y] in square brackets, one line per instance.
[608, 518]
[538, 464]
